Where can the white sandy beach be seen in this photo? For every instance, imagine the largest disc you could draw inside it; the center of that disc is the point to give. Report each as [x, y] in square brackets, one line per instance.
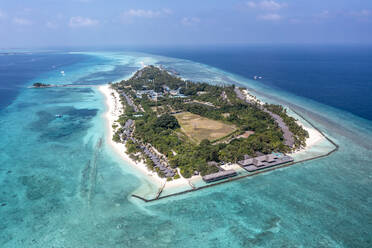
[314, 135]
[114, 110]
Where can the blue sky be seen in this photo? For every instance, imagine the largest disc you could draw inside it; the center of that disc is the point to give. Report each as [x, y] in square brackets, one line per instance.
[30, 23]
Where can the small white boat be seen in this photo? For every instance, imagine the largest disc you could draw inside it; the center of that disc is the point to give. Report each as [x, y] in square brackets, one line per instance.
[58, 116]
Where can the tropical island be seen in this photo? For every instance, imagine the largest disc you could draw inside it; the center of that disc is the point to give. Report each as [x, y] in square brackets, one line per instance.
[41, 85]
[179, 128]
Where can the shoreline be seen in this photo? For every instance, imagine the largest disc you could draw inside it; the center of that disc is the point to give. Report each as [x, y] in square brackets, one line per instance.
[113, 111]
[315, 137]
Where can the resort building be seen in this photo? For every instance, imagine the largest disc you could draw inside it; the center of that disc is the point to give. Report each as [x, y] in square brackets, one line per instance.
[265, 161]
[130, 102]
[219, 175]
[150, 93]
[161, 165]
[158, 162]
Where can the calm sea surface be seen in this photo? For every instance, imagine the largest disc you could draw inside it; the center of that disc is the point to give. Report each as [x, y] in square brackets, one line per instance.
[61, 188]
[339, 76]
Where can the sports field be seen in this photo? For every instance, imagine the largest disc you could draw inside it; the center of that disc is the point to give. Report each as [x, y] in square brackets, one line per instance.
[198, 128]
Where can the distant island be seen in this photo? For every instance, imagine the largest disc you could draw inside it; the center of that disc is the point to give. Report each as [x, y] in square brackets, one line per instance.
[41, 85]
[180, 128]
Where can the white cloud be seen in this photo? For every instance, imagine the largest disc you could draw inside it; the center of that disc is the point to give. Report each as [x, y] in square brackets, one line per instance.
[2, 14]
[272, 5]
[251, 4]
[167, 11]
[190, 21]
[362, 13]
[143, 13]
[78, 21]
[50, 24]
[270, 17]
[21, 21]
[266, 5]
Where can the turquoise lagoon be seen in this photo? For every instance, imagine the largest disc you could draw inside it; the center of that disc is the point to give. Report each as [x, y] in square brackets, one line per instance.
[62, 187]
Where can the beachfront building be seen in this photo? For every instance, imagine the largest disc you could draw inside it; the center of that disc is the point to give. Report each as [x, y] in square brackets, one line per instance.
[264, 161]
[158, 161]
[127, 129]
[130, 102]
[219, 176]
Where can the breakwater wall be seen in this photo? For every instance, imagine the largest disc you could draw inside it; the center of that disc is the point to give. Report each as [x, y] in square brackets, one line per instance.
[336, 147]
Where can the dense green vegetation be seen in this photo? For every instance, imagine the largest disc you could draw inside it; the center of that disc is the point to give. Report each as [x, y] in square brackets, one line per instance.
[166, 121]
[157, 126]
[299, 133]
[151, 78]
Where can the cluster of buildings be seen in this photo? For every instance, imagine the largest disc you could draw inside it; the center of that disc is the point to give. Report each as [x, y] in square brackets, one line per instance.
[264, 161]
[130, 102]
[128, 129]
[221, 174]
[249, 164]
[153, 95]
[173, 93]
[159, 163]
[150, 93]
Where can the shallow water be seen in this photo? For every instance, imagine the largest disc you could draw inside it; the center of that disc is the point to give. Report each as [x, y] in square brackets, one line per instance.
[60, 188]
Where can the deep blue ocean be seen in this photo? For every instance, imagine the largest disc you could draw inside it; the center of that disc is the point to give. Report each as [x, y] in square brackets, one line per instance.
[339, 76]
[61, 188]
[17, 70]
